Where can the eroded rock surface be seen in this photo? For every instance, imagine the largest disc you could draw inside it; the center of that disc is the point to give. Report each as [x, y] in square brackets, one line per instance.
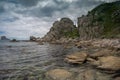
[76, 58]
[58, 74]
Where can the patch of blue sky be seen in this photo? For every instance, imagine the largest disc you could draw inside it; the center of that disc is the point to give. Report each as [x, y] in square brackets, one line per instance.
[2, 32]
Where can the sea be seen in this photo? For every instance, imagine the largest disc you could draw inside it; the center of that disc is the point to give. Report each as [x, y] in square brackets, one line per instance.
[30, 60]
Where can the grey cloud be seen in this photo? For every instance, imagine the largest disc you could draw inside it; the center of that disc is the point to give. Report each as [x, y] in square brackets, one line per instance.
[28, 3]
[35, 17]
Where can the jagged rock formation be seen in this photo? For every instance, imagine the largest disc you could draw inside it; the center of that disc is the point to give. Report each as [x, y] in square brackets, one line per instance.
[64, 28]
[102, 22]
[4, 38]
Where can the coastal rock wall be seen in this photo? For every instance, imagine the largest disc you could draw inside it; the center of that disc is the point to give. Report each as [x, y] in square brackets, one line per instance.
[64, 28]
[89, 30]
[101, 22]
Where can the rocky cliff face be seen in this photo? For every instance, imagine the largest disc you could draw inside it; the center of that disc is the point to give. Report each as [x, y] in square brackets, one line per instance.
[64, 28]
[102, 22]
[89, 30]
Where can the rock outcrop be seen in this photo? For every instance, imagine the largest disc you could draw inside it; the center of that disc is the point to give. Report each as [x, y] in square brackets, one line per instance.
[64, 28]
[101, 22]
[4, 38]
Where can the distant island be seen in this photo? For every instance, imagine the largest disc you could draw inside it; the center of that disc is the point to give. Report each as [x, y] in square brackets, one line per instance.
[4, 38]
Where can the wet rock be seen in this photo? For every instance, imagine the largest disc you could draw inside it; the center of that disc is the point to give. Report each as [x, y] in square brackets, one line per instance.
[109, 63]
[76, 58]
[40, 43]
[58, 74]
[87, 75]
[93, 61]
[117, 78]
[104, 52]
[90, 74]
[82, 44]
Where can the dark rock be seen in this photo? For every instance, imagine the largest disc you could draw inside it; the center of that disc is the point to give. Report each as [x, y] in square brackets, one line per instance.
[14, 40]
[32, 38]
[4, 38]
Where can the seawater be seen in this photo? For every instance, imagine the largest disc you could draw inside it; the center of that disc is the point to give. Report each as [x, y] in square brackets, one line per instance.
[24, 60]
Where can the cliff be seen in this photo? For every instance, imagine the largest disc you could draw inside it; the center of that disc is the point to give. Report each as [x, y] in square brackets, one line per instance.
[64, 28]
[102, 22]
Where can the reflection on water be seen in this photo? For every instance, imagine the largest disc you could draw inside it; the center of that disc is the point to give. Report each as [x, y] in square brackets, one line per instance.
[19, 59]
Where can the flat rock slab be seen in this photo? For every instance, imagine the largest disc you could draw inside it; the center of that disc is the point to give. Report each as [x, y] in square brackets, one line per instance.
[90, 74]
[76, 58]
[58, 74]
[109, 63]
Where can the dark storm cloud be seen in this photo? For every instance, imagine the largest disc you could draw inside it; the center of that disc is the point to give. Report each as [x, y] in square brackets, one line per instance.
[27, 3]
[29, 6]
[1, 9]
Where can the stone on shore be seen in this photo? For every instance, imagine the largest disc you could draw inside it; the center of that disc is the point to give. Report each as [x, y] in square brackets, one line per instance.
[109, 63]
[58, 74]
[93, 61]
[101, 53]
[90, 74]
[76, 58]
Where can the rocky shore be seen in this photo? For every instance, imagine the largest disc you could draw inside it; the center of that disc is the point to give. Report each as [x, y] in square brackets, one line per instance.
[98, 41]
[99, 59]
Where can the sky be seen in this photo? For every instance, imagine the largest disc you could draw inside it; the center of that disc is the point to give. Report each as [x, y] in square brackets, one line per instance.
[23, 18]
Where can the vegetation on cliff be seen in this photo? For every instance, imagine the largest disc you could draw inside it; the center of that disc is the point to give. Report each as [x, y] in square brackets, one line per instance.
[101, 22]
[108, 14]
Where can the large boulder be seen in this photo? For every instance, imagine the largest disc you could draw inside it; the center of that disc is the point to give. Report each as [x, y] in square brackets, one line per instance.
[58, 74]
[76, 58]
[109, 63]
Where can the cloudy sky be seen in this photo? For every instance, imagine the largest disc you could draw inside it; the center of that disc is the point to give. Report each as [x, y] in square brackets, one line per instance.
[22, 18]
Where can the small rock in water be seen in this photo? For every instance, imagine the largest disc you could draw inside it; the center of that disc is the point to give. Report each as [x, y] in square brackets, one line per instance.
[58, 74]
[90, 74]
